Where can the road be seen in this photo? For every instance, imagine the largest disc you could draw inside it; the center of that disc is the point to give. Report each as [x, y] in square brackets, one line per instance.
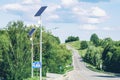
[80, 71]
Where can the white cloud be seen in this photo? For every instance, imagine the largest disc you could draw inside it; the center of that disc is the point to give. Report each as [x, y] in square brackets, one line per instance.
[90, 15]
[26, 12]
[24, 5]
[107, 28]
[88, 27]
[68, 3]
[51, 12]
[27, 1]
[57, 12]
[52, 17]
[92, 20]
[13, 7]
[52, 8]
[28, 8]
[79, 11]
[111, 28]
[31, 2]
[98, 12]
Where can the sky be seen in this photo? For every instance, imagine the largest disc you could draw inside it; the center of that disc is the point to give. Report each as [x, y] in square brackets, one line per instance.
[67, 17]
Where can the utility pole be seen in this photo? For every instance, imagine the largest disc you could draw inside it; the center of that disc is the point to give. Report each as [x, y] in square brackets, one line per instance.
[31, 39]
[31, 56]
[38, 14]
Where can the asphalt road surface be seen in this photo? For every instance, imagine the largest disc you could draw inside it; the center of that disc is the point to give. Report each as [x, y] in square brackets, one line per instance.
[80, 71]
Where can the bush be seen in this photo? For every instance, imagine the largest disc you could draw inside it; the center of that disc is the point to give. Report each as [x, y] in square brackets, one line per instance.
[83, 45]
[71, 38]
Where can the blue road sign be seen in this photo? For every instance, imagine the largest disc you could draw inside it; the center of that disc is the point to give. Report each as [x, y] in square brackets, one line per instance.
[36, 65]
[40, 11]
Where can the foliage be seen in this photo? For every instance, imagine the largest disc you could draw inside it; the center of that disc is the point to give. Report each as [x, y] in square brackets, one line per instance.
[34, 78]
[105, 42]
[75, 44]
[93, 56]
[15, 52]
[103, 56]
[112, 58]
[54, 54]
[71, 38]
[84, 44]
[110, 55]
[94, 38]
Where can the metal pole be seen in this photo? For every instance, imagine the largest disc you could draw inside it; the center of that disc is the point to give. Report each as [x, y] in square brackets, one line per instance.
[31, 56]
[41, 47]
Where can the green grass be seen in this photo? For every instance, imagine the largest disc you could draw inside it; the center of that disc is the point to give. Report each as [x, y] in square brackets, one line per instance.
[93, 68]
[82, 52]
[69, 68]
[76, 45]
[35, 78]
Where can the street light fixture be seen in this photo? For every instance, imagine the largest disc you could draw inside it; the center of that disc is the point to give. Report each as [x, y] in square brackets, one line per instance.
[31, 38]
[38, 14]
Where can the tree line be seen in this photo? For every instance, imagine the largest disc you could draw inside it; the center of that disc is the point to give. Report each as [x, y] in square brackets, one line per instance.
[15, 52]
[71, 39]
[104, 54]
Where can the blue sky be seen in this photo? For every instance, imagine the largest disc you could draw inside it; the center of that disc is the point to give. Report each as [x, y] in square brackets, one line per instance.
[71, 17]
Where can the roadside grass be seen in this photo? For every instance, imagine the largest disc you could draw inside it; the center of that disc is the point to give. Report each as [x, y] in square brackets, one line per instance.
[75, 44]
[68, 69]
[93, 68]
[34, 78]
[82, 52]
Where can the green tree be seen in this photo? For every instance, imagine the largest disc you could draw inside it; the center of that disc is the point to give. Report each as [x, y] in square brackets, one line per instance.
[111, 61]
[54, 55]
[105, 42]
[71, 38]
[95, 39]
[15, 52]
[107, 61]
[115, 61]
[4, 48]
[84, 44]
[93, 56]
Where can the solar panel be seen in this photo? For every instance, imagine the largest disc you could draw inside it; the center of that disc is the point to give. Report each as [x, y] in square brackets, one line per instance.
[40, 11]
[31, 32]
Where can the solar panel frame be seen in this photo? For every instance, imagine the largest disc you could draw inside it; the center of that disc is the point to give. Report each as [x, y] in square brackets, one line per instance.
[31, 32]
[40, 11]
